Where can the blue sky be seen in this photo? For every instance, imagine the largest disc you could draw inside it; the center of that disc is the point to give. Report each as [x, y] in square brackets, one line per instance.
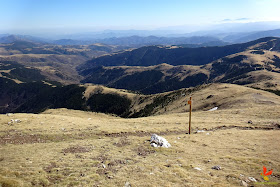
[130, 14]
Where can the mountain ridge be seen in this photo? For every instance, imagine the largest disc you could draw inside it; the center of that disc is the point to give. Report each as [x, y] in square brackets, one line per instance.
[258, 56]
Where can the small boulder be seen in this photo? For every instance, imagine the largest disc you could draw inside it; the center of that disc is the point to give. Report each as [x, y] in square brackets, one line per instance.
[217, 167]
[158, 141]
[127, 184]
[17, 121]
[252, 179]
[213, 109]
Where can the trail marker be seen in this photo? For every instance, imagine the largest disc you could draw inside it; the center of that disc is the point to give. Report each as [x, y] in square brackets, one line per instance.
[190, 116]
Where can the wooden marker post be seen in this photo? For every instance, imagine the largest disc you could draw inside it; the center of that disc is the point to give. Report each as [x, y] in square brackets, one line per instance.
[190, 116]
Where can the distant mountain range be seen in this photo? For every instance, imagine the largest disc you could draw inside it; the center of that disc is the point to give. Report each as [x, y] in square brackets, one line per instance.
[143, 69]
[186, 40]
[245, 37]
[154, 55]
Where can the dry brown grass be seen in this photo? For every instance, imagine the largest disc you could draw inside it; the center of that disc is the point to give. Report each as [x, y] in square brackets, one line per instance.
[74, 148]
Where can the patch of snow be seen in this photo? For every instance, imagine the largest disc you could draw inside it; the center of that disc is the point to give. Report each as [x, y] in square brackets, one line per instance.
[213, 109]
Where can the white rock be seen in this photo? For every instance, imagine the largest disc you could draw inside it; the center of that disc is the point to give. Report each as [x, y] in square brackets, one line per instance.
[159, 141]
[17, 121]
[153, 144]
[252, 179]
[196, 168]
[212, 109]
[200, 131]
[207, 133]
[89, 118]
[127, 184]
[9, 114]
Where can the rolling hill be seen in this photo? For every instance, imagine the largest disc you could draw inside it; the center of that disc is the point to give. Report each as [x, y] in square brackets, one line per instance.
[57, 63]
[256, 65]
[154, 55]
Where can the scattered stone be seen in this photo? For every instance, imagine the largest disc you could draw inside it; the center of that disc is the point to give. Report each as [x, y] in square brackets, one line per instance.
[252, 179]
[104, 166]
[198, 131]
[209, 96]
[250, 122]
[89, 118]
[9, 114]
[127, 184]
[17, 121]
[158, 141]
[110, 177]
[14, 121]
[243, 183]
[63, 129]
[216, 167]
[213, 109]
[207, 133]
[196, 168]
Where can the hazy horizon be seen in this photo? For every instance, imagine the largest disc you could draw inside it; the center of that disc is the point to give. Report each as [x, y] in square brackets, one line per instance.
[68, 17]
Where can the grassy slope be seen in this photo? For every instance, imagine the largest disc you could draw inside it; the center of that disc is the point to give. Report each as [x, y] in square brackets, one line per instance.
[66, 147]
[224, 96]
